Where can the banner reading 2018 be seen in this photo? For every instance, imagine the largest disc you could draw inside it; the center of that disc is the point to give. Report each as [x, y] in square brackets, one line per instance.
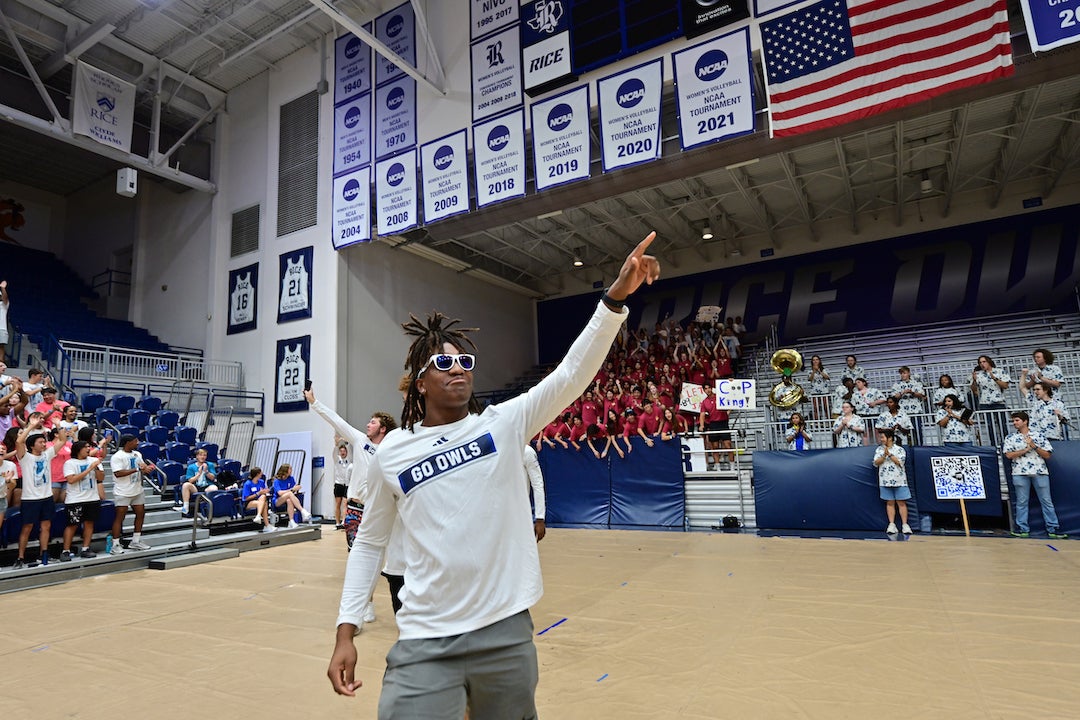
[714, 88]
[499, 158]
[560, 132]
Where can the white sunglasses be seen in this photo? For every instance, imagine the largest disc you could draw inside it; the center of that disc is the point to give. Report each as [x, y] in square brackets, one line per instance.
[445, 361]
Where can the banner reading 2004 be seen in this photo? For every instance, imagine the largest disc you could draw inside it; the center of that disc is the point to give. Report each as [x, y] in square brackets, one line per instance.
[714, 89]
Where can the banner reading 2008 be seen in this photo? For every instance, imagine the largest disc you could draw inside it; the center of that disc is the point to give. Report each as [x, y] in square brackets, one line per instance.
[629, 105]
[499, 155]
[395, 193]
[560, 132]
[444, 164]
[714, 88]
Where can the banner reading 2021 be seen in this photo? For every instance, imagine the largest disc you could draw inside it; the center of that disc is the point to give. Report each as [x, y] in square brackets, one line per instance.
[714, 89]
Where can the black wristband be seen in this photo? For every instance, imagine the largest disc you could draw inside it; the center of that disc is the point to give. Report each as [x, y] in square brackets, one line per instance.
[608, 300]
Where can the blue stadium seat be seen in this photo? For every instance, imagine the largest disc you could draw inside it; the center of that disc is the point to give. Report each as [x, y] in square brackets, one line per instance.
[69, 397]
[232, 466]
[225, 503]
[156, 434]
[90, 402]
[211, 450]
[123, 403]
[178, 452]
[138, 418]
[150, 452]
[174, 475]
[186, 434]
[168, 419]
[150, 404]
[125, 429]
[107, 414]
[9, 533]
[105, 517]
[59, 522]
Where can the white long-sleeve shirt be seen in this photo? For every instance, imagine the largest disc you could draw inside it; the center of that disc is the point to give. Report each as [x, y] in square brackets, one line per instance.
[460, 489]
[362, 448]
[536, 481]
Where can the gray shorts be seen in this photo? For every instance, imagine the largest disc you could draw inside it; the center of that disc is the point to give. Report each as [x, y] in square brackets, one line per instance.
[493, 669]
[125, 501]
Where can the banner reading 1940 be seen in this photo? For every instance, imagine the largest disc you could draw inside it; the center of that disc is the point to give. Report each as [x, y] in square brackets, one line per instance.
[444, 164]
[629, 104]
[714, 88]
[352, 67]
[499, 155]
[561, 141]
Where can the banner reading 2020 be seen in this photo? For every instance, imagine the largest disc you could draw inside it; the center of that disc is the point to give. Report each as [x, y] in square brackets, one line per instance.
[629, 104]
[499, 157]
[714, 88]
[444, 164]
[561, 141]
[395, 193]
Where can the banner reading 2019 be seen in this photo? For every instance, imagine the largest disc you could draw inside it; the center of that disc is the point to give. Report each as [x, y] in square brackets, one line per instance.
[714, 88]
[561, 143]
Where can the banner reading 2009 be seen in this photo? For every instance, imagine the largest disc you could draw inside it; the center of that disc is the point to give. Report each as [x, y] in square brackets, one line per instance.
[561, 143]
[714, 88]
[444, 164]
[629, 105]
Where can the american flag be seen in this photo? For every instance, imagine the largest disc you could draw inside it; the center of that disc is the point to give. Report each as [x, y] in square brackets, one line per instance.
[841, 60]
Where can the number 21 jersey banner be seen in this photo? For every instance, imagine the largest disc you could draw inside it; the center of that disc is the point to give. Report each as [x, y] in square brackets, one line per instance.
[294, 302]
[714, 86]
[291, 366]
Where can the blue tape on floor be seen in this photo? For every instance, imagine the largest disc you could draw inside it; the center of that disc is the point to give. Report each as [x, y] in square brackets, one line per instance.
[601, 677]
[549, 627]
[39, 649]
[1051, 547]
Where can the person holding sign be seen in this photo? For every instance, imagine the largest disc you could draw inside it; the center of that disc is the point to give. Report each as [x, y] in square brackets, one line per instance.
[889, 459]
[1028, 451]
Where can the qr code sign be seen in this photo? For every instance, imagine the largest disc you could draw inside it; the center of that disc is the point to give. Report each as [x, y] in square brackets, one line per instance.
[958, 477]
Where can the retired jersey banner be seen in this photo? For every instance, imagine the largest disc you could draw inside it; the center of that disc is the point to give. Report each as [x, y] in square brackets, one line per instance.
[499, 158]
[395, 193]
[292, 368]
[496, 74]
[487, 16]
[243, 299]
[352, 67]
[444, 169]
[1050, 23]
[103, 107]
[545, 42]
[294, 302]
[629, 104]
[560, 138]
[701, 16]
[352, 134]
[395, 117]
[352, 208]
[397, 30]
[714, 89]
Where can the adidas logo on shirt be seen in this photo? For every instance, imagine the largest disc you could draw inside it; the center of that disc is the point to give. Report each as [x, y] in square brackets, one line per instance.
[441, 441]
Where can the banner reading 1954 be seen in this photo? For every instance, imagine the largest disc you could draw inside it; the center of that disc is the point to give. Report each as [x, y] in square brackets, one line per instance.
[714, 89]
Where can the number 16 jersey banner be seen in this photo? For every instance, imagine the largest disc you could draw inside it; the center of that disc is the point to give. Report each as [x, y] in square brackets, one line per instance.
[714, 87]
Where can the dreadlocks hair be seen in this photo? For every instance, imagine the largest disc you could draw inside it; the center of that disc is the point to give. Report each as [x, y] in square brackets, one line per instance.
[430, 338]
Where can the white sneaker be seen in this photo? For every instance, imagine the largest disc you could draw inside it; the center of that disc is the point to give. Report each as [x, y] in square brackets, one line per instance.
[293, 524]
[258, 519]
[268, 528]
[117, 549]
[906, 529]
[891, 529]
[369, 613]
[306, 516]
[138, 545]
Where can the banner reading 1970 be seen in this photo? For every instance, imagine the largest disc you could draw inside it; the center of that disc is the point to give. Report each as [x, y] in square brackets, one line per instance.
[629, 104]
[561, 141]
[714, 89]
[444, 164]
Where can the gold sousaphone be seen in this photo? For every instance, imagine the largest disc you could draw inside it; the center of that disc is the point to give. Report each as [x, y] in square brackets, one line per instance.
[787, 393]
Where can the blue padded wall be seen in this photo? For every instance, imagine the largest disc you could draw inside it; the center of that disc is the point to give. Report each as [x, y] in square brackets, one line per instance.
[1064, 466]
[924, 481]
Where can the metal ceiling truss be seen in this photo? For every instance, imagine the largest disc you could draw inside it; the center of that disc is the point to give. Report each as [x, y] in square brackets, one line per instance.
[1023, 111]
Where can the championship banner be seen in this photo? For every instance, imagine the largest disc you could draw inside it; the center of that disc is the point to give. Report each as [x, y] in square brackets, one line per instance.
[487, 16]
[397, 30]
[444, 169]
[1049, 25]
[395, 117]
[395, 193]
[496, 74]
[352, 67]
[701, 16]
[292, 367]
[714, 89]
[629, 104]
[294, 302]
[352, 208]
[352, 134]
[103, 107]
[545, 42]
[499, 158]
[243, 299]
[560, 138]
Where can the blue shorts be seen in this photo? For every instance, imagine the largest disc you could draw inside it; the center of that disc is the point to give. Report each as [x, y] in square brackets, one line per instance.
[895, 493]
[37, 511]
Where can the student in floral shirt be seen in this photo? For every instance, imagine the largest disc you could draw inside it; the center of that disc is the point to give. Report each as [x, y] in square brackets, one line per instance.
[950, 417]
[1047, 412]
[849, 427]
[889, 459]
[1028, 451]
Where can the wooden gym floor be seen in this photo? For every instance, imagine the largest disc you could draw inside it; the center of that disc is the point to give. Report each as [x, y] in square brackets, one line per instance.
[657, 625]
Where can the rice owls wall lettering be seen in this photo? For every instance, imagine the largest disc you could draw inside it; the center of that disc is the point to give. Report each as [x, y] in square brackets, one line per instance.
[294, 286]
[242, 305]
[291, 375]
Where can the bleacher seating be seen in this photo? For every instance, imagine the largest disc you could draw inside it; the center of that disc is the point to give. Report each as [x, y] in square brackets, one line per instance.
[233, 466]
[168, 419]
[156, 434]
[151, 453]
[125, 429]
[139, 418]
[211, 450]
[107, 414]
[178, 452]
[123, 403]
[186, 434]
[150, 404]
[173, 473]
[90, 402]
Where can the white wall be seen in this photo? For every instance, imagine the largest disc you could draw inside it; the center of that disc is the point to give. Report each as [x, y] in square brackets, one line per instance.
[44, 213]
[98, 223]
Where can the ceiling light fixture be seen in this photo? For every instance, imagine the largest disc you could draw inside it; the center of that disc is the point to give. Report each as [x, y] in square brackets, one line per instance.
[706, 233]
[577, 262]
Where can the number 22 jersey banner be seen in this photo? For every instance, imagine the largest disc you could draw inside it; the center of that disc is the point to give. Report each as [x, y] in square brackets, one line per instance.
[291, 366]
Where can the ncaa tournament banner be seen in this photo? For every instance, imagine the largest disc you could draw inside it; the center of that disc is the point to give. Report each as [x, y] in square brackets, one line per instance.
[701, 16]
[395, 193]
[294, 302]
[352, 208]
[397, 30]
[496, 74]
[243, 299]
[714, 89]
[352, 134]
[103, 107]
[352, 67]
[292, 363]
[545, 42]
[499, 158]
[395, 117]
[1050, 24]
[486, 16]
[560, 138]
[444, 166]
[629, 104]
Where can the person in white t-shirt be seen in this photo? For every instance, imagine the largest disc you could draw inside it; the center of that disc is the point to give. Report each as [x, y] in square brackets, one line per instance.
[127, 468]
[85, 491]
[536, 482]
[35, 455]
[456, 478]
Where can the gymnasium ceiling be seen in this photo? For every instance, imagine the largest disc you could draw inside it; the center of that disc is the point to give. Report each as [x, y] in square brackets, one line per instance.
[753, 192]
